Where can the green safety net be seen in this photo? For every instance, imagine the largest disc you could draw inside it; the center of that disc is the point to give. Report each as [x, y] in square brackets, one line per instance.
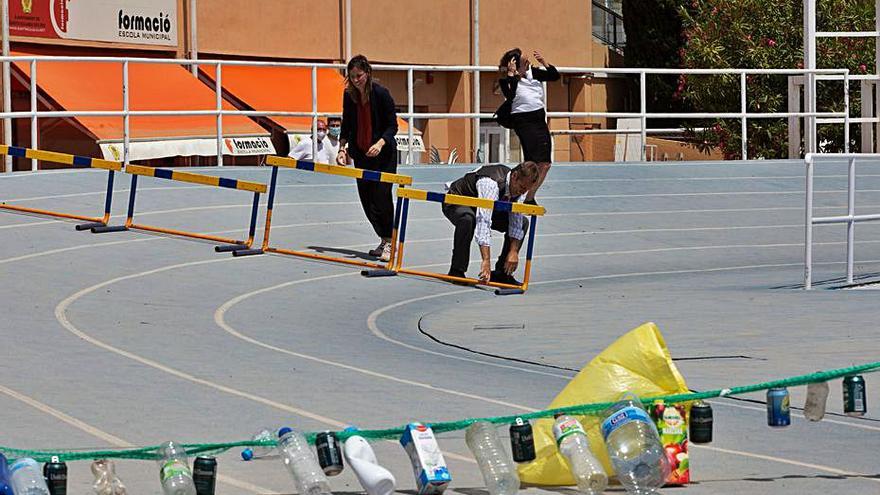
[195, 449]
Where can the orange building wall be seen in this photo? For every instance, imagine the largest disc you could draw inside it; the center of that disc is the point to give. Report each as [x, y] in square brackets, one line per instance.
[299, 29]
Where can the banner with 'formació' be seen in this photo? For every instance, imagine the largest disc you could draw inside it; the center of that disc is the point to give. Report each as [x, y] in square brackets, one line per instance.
[143, 22]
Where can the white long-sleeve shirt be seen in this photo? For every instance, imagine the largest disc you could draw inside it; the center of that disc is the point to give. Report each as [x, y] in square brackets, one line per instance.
[488, 189]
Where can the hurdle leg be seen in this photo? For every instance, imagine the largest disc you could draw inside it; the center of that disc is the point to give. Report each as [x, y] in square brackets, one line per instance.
[388, 271]
[251, 231]
[533, 221]
[270, 202]
[130, 216]
[107, 202]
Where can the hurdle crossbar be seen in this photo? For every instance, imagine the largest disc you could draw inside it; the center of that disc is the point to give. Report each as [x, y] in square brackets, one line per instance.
[208, 180]
[277, 162]
[77, 162]
[533, 211]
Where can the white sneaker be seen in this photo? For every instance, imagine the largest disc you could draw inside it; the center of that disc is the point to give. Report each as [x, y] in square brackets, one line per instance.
[386, 253]
[379, 249]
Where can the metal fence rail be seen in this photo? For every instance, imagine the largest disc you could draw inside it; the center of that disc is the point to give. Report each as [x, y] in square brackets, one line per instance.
[850, 219]
[410, 115]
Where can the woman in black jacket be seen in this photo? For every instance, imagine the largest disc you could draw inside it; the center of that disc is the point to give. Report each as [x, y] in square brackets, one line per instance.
[524, 85]
[369, 124]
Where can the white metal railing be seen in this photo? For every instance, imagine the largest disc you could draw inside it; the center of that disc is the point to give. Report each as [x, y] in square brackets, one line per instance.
[850, 219]
[643, 115]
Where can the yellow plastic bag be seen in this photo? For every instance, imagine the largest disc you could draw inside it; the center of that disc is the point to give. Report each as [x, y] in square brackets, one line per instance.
[637, 362]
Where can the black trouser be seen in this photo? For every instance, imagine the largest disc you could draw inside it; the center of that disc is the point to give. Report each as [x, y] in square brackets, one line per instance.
[376, 198]
[465, 220]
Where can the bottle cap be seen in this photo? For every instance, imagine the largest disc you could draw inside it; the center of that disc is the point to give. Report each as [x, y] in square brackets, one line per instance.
[247, 454]
[351, 428]
[284, 431]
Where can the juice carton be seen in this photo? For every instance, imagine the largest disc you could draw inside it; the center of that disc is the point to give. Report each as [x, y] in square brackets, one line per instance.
[429, 467]
[672, 425]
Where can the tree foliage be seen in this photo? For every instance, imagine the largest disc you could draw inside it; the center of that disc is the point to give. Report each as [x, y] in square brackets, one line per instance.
[759, 34]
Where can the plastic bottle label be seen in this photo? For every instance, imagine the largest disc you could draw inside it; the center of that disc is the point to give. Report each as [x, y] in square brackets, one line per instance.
[622, 417]
[174, 468]
[565, 428]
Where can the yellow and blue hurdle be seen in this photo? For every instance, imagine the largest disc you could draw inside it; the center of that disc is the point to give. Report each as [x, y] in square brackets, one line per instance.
[277, 162]
[533, 211]
[207, 180]
[77, 162]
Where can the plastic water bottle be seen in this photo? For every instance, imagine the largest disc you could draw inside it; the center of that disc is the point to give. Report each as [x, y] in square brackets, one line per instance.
[27, 478]
[497, 469]
[375, 479]
[298, 458]
[5, 483]
[573, 444]
[106, 481]
[174, 471]
[264, 435]
[817, 399]
[634, 447]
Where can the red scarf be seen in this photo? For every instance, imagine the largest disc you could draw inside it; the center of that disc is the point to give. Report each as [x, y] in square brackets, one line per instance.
[365, 126]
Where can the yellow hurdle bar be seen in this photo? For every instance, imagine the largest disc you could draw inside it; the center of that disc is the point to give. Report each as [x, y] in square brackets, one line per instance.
[75, 161]
[453, 199]
[206, 180]
[326, 168]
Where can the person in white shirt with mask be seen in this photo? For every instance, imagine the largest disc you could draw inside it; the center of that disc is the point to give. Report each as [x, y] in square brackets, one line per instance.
[303, 149]
[334, 130]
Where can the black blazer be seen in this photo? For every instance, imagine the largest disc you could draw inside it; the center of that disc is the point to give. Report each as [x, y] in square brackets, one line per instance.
[384, 122]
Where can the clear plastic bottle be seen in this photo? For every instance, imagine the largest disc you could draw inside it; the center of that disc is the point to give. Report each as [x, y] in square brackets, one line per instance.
[106, 481]
[26, 478]
[264, 435]
[5, 483]
[174, 471]
[817, 398]
[573, 444]
[496, 466]
[298, 458]
[634, 447]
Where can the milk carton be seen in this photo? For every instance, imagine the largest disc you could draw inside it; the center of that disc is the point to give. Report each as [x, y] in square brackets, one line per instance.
[429, 467]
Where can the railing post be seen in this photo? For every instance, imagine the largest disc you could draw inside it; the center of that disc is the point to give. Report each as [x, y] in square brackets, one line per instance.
[7, 85]
[219, 91]
[743, 105]
[846, 115]
[126, 118]
[410, 93]
[643, 109]
[314, 114]
[808, 224]
[794, 122]
[34, 123]
[851, 224]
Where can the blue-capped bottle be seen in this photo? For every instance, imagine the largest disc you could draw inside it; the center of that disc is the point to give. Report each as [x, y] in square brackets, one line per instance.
[263, 435]
[634, 446]
[5, 483]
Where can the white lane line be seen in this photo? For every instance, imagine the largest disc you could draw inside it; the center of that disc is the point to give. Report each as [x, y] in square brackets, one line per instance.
[727, 403]
[61, 316]
[28, 224]
[108, 437]
[220, 320]
[818, 467]
[422, 184]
